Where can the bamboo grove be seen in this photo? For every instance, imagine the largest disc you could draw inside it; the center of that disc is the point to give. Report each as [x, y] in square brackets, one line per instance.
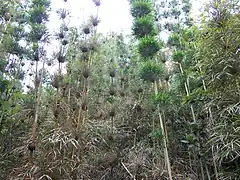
[159, 103]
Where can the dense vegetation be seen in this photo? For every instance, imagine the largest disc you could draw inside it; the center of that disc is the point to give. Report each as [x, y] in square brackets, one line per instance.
[116, 106]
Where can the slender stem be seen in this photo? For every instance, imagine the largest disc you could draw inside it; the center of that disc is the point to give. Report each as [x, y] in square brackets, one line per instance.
[164, 136]
[34, 128]
[188, 93]
[208, 174]
[112, 123]
[202, 170]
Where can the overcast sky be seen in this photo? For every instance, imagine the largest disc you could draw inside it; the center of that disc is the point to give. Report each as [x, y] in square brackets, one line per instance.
[114, 14]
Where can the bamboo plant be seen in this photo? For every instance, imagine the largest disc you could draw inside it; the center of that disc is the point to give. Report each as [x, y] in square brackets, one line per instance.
[38, 36]
[145, 31]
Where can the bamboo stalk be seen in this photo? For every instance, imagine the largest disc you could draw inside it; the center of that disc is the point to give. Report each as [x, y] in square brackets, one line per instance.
[34, 127]
[188, 93]
[164, 136]
[208, 174]
[186, 85]
[202, 170]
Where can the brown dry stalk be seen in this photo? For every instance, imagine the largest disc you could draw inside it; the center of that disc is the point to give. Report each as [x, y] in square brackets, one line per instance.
[34, 127]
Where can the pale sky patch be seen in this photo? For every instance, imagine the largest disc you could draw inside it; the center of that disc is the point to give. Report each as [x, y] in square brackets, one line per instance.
[114, 14]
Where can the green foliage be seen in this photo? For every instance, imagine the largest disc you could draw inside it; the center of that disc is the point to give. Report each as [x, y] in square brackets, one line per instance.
[148, 46]
[141, 8]
[157, 133]
[190, 139]
[38, 14]
[209, 58]
[163, 98]
[43, 3]
[37, 32]
[174, 40]
[178, 56]
[8, 43]
[4, 85]
[218, 49]
[197, 96]
[177, 84]
[189, 34]
[217, 57]
[150, 71]
[144, 26]
[3, 64]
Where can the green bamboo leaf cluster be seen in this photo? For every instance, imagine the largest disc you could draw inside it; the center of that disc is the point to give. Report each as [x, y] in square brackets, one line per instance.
[145, 31]
[148, 47]
[143, 26]
[141, 8]
[163, 98]
[150, 71]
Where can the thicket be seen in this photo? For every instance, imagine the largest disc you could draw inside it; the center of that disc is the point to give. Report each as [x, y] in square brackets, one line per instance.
[117, 106]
